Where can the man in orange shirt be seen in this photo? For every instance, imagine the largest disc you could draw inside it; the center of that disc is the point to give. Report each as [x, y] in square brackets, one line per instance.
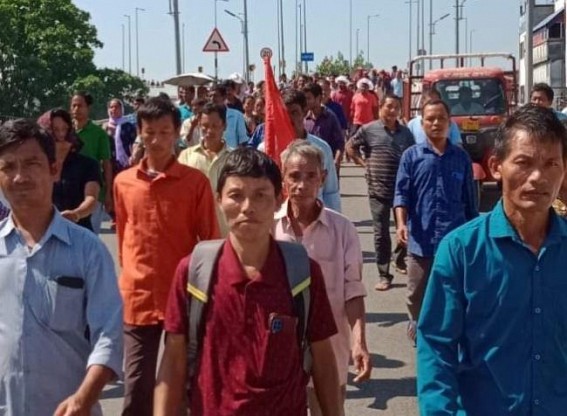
[364, 106]
[162, 210]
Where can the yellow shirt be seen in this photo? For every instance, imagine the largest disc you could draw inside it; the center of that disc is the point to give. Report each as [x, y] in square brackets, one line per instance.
[196, 157]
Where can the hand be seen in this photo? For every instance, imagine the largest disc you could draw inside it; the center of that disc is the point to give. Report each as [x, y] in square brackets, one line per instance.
[361, 361]
[195, 121]
[72, 406]
[71, 215]
[402, 234]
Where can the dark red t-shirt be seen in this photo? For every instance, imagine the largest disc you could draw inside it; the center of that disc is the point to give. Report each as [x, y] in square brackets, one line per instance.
[245, 368]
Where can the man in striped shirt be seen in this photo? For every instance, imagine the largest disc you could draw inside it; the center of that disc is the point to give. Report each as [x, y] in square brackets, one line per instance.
[382, 142]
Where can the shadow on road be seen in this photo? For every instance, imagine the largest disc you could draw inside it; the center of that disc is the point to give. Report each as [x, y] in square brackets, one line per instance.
[386, 320]
[382, 390]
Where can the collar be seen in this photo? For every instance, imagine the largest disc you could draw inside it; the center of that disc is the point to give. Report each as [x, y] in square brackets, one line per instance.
[58, 227]
[311, 116]
[201, 149]
[283, 214]
[397, 129]
[501, 227]
[173, 170]
[425, 146]
[87, 125]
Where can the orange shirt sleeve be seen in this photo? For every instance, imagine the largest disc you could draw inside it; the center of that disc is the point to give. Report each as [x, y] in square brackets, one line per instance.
[208, 226]
[120, 220]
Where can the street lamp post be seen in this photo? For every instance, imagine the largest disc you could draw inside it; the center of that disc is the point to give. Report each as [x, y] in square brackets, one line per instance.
[246, 48]
[357, 52]
[174, 12]
[431, 33]
[470, 44]
[123, 47]
[410, 30]
[216, 53]
[305, 33]
[368, 35]
[350, 33]
[183, 47]
[129, 42]
[138, 9]
[243, 31]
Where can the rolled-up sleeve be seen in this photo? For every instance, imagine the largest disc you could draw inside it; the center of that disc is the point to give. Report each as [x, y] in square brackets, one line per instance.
[403, 180]
[103, 310]
[354, 288]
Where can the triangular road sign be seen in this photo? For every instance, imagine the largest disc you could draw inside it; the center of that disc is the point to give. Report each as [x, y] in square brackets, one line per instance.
[215, 43]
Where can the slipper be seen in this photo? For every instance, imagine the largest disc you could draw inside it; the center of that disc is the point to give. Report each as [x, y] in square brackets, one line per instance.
[383, 285]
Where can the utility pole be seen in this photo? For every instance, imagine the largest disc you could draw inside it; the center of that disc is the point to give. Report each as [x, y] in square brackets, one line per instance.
[430, 52]
[129, 43]
[279, 38]
[350, 33]
[183, 47]
[423, 27]
[431, 33]
[457, 18]
[529, 55]
[247, 48]
[300, 65]
[283, 36]
[357, 49]
[138, 9]
[296, 36]
[305, 32]
[174, 12]
[123, 48]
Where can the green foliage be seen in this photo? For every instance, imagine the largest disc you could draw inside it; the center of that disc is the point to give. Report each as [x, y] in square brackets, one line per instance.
[105, 84]
[44, 46]
[340, 65]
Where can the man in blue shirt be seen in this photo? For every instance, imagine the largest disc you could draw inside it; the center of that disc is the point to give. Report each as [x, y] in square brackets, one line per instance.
[434, 194]
[235, 133]
[543, 95]
[61, 313]
[492, 336]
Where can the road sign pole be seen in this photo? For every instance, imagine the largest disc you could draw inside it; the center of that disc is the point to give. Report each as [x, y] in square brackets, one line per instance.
[216, 66]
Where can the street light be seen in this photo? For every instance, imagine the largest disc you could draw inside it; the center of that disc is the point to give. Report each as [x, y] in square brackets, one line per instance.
[470, 44]
[216, 53]
[368, 35]
[242, 26]
[410, 29]
[129, 42]
[350, 33]
[123, 47]
[357, 49]
[138, 9]
[431, 33]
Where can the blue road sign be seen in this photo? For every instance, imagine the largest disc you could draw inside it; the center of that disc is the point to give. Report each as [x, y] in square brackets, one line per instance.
[307, 56]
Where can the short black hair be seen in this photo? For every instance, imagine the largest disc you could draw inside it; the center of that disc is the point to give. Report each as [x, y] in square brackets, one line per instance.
[391, 96]
[314, 89]
[199, 102]
[546, 89]
[211, 108]
[221, 89]
[229, 84]
[292, 97]
[19, 130]
[538, 122]
[430, 103]
[85, 96]
[249, 162]
[157, 107]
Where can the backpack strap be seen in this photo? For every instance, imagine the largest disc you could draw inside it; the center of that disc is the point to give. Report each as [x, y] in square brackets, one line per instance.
[298, 274]
[201, 267]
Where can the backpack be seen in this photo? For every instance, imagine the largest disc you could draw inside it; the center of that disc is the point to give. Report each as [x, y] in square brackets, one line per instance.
[201, 268]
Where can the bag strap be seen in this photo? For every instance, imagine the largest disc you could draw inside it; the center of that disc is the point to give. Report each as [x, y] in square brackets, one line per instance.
[201, 267]
[298, 274]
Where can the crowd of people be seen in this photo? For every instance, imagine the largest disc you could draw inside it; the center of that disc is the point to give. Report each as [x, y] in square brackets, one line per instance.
[248, 267]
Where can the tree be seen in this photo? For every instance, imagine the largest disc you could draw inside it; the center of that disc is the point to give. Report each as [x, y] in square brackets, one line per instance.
[45, 45]
[340, 66]
[106, 84]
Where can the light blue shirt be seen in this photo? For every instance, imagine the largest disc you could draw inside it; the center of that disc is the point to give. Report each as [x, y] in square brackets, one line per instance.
[492, 334]
[420, 137]
[397, 87]
[45, 315]
[235, 133]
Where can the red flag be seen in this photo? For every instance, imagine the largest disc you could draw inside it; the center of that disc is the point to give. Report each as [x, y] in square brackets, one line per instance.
[279, 132]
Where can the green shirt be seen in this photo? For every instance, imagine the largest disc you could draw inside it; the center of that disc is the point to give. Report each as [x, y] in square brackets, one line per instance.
[96, 144]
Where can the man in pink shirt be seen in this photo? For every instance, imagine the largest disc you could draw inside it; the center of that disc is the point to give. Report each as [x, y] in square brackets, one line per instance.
[332, 241]
[364, 106]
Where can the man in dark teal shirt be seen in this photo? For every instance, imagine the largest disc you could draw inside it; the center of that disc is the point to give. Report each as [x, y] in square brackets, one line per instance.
[492, 334]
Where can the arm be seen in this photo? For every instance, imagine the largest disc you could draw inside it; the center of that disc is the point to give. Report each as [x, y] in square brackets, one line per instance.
[353, 150]
[208, 228]
[88, 205]
[81, 403]
[361, 357]
[331, 193]
[439, 329]
[241, 133]
[121, 218]
[169, 392]
[326, 377]
[402, 225]
[469, 193]
[402, 197]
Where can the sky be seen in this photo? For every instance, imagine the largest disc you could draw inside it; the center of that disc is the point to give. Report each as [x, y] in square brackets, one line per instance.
[493, 24]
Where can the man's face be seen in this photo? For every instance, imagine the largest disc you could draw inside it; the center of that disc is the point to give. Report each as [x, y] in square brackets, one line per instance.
[259, 107]
[212, 127]
[218, 98]
[540, 98]
[313, 102]
[26, 176]
[300, 83]
[326, 87]
[249, 205]
[182, 95]
[302, 180]
[342, 86]
[531, 173]
[159, 136]
[390, 111]
[189, 94]
[435, 122]
[202, 92]
[296, 114]
[60, 129]
[79, 108]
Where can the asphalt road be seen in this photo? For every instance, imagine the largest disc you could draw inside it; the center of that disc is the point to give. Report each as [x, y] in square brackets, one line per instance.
[391, 390]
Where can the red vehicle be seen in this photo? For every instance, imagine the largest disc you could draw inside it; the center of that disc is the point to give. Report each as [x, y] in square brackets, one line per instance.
[480, 98]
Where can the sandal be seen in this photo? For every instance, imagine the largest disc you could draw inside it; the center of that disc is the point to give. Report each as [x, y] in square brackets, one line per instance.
[383, 285]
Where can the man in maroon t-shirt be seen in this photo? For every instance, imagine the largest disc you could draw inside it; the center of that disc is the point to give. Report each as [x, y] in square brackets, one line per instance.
[244, 367]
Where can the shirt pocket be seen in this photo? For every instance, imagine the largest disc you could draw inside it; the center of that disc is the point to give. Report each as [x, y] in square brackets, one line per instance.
[67, 307]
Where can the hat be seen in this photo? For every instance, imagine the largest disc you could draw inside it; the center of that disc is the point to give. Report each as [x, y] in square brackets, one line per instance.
[366, 81]
[236, 77]
[341, 78]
